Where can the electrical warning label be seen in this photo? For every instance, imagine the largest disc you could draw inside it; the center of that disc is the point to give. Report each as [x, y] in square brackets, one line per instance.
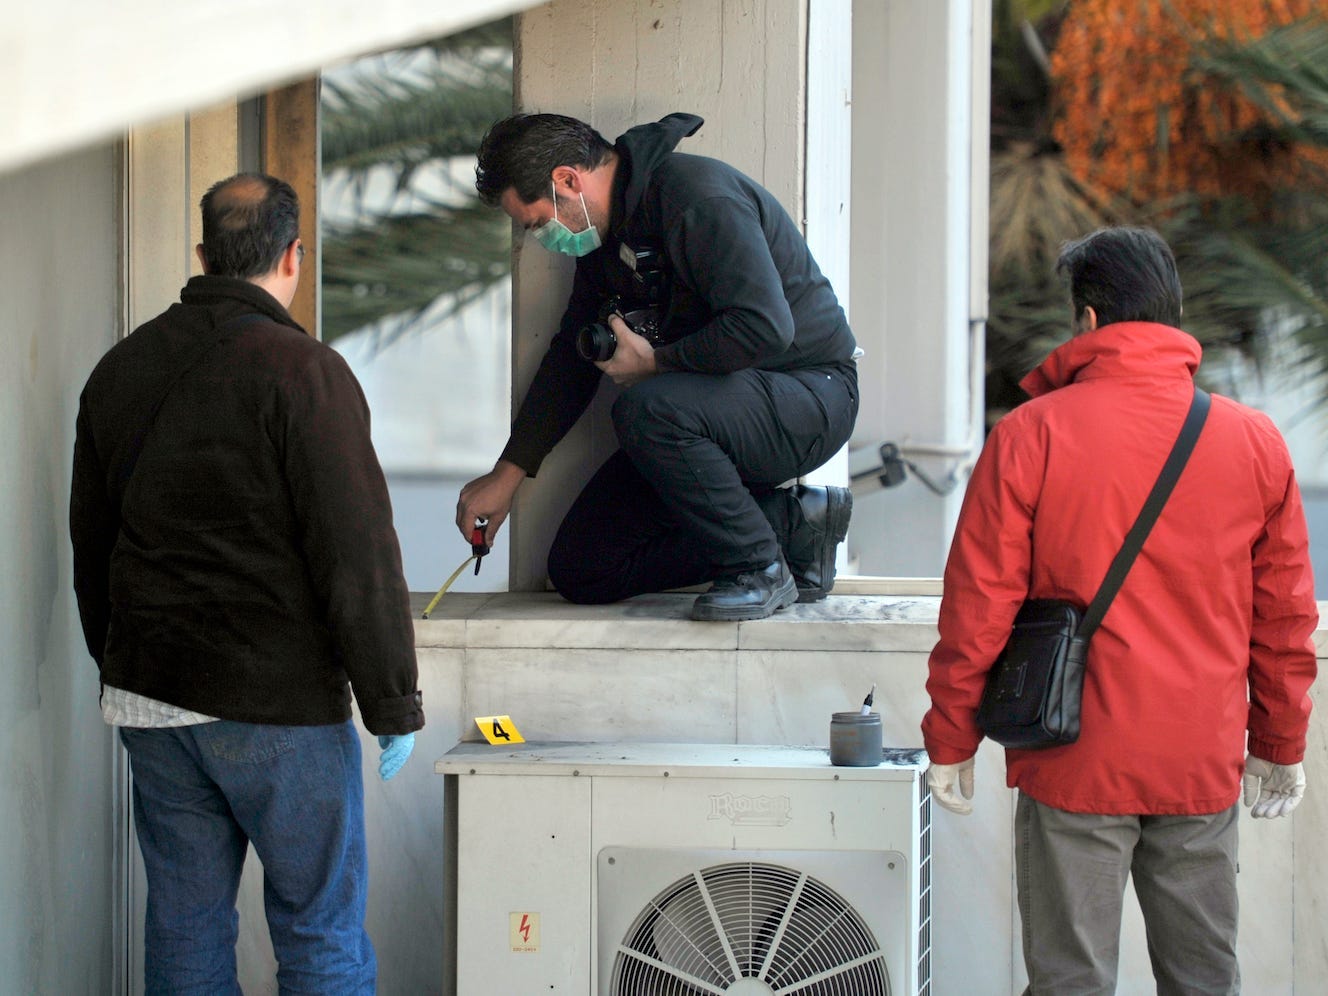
[524, 929]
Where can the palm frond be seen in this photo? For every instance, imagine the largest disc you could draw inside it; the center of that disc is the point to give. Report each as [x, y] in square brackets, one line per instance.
[1238, 275]
[399, 265]
[490, 35]
[1241, 280]
[420, 242]
[1285, 73]
[1026, 320]
[405, 122]
[1036, 205]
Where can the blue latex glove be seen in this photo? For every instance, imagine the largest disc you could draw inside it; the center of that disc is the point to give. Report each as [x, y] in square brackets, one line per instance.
[396, 748]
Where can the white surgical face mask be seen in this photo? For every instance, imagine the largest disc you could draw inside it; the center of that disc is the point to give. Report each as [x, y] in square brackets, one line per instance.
[554, 236]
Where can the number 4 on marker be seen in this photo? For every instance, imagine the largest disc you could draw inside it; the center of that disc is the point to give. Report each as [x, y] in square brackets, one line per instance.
[499, 730]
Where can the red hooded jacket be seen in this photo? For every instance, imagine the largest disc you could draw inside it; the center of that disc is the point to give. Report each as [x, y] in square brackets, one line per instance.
[1209, 638]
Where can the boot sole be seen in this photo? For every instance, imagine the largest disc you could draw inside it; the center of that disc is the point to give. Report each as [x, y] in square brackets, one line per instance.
[781, 598]
[838, 510]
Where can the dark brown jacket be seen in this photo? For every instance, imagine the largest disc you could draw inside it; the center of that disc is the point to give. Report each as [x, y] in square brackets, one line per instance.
[246, 567]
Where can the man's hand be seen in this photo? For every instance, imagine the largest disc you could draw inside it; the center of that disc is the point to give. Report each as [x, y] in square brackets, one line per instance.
[948, 782]
[1272, 790]
[633, 360]
[488, 497]
[396, 748]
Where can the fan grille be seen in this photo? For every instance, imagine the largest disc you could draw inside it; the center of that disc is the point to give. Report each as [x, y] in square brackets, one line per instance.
[749, 920]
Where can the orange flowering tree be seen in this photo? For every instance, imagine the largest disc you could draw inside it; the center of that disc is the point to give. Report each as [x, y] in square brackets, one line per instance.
[1206, 119]
[1138, 116]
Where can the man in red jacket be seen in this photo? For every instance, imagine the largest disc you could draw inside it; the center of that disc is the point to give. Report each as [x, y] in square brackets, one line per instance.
[1205, 652]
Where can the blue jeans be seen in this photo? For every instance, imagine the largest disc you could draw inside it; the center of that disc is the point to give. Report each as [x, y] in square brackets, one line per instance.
[202, 794]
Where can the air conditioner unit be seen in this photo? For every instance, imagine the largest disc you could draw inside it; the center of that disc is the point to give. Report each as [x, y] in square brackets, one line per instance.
[685, 869]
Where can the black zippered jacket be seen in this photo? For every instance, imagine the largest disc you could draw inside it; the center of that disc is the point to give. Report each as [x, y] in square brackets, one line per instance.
[745, 290]
[247, 568]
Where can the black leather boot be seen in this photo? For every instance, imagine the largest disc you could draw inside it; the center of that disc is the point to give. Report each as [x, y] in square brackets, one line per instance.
[810, 521]
[753, 594]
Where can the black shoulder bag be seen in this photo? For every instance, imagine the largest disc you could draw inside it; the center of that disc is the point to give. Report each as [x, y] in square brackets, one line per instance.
[1034, 689]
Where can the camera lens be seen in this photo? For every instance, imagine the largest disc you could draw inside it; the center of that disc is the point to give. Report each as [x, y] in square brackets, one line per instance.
[596, 342]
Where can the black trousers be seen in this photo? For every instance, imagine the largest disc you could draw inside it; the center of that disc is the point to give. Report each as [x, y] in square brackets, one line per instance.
[674, 506]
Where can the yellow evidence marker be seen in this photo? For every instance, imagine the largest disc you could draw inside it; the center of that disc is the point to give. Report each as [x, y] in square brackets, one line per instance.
[499, 730]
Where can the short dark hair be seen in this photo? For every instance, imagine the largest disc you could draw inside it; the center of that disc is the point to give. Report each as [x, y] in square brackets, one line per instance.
[248, 221]
[522, 151]
[1124, 275]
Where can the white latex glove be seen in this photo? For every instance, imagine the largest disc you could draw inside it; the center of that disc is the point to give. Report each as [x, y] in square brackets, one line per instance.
[948, 781]
[1272, 790]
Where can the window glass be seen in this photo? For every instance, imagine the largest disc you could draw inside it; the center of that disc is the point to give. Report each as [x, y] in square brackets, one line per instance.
[416, 278]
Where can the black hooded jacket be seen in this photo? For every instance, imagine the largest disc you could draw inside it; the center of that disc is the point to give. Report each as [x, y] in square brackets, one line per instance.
[744, 290]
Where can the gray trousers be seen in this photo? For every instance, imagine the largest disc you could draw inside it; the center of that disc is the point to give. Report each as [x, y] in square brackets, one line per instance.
[1071, 870]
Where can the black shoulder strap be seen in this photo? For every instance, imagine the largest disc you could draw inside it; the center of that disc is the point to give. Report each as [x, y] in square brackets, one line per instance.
[141, 438]
[1134, 539]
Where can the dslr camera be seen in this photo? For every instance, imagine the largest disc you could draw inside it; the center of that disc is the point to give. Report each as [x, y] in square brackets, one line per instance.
[596, 342]
[641, 309]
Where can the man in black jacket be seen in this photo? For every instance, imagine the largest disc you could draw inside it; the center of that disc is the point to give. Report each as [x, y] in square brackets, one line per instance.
[739, 374]
[237, 575]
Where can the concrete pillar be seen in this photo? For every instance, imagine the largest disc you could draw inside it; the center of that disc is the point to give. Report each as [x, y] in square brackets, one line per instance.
[919, 237]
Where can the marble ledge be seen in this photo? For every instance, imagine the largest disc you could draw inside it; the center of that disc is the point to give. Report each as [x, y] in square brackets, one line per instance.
[543, 620]
[854, 621]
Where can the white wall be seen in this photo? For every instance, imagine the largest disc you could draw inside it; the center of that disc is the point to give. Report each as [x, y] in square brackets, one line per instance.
[59, 277]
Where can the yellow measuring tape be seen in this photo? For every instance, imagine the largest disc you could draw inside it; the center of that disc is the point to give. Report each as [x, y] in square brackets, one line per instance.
[447, 584]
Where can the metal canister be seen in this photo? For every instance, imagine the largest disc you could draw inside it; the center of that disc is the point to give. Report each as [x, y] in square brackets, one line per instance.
[855, 739]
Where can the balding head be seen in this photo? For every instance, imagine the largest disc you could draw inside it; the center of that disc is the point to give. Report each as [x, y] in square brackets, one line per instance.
[249, 220]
